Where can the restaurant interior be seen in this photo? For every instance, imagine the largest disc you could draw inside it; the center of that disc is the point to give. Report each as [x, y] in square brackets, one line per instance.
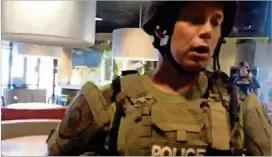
[49, 49]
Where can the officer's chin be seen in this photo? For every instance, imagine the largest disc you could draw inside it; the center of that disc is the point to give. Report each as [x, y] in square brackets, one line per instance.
[195, 66]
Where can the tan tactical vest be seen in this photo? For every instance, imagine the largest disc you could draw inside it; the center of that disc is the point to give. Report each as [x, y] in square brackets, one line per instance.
[153, 128]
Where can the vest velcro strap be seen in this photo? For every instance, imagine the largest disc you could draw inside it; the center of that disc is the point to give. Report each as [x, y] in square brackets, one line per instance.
[175, 127]
[181, 136]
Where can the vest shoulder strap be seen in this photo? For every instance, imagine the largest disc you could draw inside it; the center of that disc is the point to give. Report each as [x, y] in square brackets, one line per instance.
[220, 80]
[120, 85]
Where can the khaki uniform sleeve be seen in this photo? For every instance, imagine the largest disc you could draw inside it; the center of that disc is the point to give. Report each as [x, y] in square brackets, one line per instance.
[257, 127]
[85, 124]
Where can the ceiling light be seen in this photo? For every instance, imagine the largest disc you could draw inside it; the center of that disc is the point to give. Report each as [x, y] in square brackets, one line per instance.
[52, 23]
[98, 19]
[133, 44]
[38, 50]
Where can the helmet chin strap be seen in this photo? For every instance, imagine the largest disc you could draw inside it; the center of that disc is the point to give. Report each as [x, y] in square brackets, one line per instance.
[166, 51]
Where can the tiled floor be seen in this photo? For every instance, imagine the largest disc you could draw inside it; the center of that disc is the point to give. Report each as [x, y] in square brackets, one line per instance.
[25, 146]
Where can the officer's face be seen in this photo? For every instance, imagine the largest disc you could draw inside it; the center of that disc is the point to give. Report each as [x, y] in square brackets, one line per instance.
[196, 34]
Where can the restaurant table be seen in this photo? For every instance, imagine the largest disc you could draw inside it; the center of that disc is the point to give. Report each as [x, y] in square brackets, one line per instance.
[33, 105]
[32, 111]
[28, 141]
[25, 146]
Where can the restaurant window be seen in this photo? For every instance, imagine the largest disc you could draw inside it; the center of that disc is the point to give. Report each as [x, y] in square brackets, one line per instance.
[4, 66]
[32, 71]
[46, 75]
[17, 66]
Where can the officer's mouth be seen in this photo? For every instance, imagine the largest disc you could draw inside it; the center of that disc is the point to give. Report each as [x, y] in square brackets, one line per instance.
[200, 51]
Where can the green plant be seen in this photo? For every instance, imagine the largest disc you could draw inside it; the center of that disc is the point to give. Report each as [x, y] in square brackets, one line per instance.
[106, 48]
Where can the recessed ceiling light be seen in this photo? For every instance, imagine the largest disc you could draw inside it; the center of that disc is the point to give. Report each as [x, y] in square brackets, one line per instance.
[98, 19]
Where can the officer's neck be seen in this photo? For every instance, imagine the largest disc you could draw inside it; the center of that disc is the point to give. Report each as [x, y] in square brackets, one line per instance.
[167, 79]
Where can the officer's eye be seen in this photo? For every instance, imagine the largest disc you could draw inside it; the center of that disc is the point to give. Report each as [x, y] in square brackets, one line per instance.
[194, 19]
[197, 20]
[217, 20]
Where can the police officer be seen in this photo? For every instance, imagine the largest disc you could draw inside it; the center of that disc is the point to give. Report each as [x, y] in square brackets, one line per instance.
[245, 80]
[172, 111]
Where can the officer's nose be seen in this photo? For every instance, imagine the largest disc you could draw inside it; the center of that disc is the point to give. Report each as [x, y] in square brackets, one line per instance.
[206, 30]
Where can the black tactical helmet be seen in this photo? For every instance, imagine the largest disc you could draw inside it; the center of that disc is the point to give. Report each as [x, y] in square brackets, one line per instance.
[165, 13]
[244, 63]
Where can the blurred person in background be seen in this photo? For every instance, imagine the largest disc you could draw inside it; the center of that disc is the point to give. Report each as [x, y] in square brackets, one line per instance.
[246, 81]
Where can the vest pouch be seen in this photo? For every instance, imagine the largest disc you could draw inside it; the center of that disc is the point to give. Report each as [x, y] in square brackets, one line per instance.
[137, 133]
[177, 139]
[180, 133]
[217, 126]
